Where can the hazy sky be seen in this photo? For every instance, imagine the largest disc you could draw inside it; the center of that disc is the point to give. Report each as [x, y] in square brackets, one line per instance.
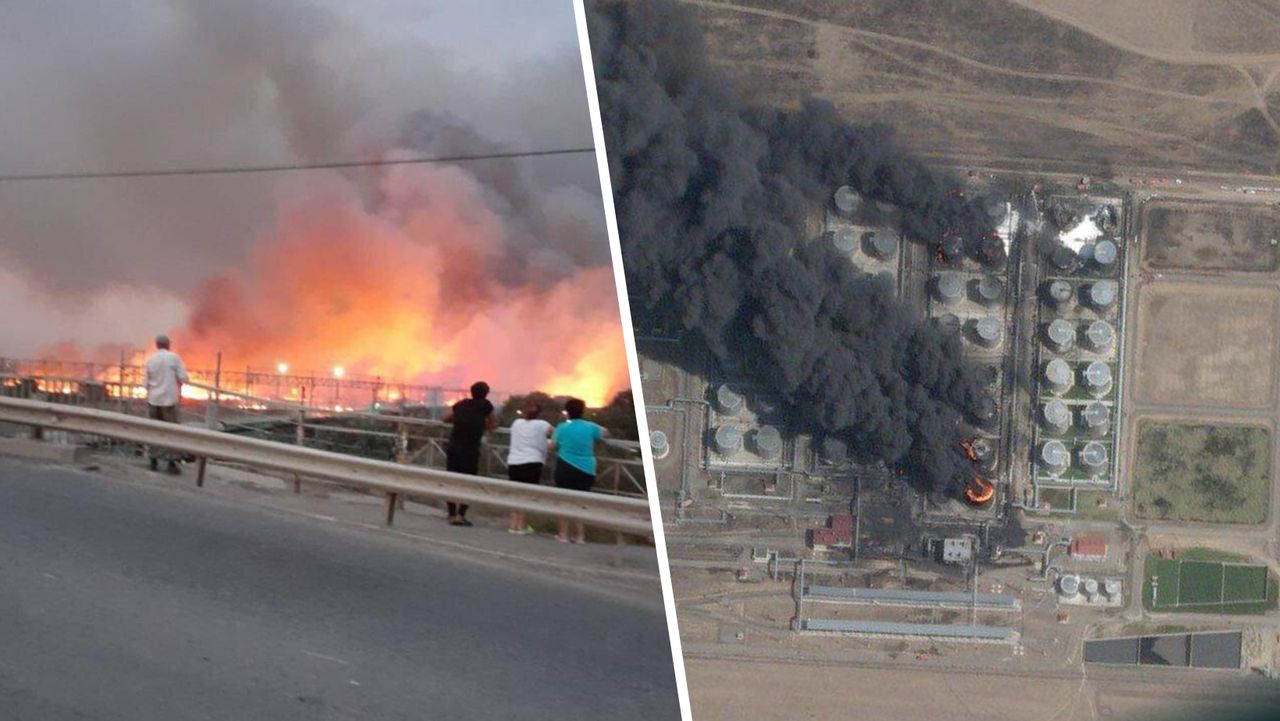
[132, 84]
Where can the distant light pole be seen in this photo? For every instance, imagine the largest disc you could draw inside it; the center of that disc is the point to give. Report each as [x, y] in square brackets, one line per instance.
[338, 372]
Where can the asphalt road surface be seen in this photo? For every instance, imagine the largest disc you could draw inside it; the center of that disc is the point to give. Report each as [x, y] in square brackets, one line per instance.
[125, 601]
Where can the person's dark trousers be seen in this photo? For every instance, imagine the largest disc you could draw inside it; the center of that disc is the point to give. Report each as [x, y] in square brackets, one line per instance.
[168, 414]
[461, 460]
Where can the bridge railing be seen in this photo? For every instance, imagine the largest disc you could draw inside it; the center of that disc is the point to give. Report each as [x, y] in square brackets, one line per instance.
[395, 481]
[387, 435]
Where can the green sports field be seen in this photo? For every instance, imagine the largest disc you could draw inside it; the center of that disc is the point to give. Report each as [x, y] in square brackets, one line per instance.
[1201, 586]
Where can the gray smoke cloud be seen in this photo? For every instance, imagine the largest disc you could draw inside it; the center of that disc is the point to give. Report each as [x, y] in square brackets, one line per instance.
[196, 83]
[712, 198]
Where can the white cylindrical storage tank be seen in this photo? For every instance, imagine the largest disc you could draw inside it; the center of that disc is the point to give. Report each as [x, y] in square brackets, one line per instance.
[1069, 585]
[1097, 378]
[844, 240]
[1090, 587]
[728, 439]
[1054, 457]
[1099, 336]
[1060, 335]
[1111, 587]
[985, 451]
[1102, 294]
[1095, 419]
[1058, 377]
[768, 442]
[881, 244]
[1056, 417]
[658, 443]
[988, 332]
[847, 200]
[988, 290]
[1105, 253]
[1058, 293]
[1093, 457]
[948, 287]
[729, 401]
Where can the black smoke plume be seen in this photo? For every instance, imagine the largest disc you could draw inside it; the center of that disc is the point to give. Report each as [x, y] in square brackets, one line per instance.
[712, 197]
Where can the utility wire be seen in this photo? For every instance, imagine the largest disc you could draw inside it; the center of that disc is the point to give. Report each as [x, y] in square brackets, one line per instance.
[91, 175]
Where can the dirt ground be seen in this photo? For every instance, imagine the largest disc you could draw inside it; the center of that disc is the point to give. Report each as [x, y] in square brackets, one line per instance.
[1027, 83]
[1219, 236]
[781, 691]
[1205, 345]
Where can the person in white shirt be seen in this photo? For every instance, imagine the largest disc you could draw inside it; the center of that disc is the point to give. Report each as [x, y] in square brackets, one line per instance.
[165, 375]
[527, 456]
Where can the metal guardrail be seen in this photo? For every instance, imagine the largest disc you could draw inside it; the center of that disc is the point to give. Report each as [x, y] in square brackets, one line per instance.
[396, 481]
[406, 438]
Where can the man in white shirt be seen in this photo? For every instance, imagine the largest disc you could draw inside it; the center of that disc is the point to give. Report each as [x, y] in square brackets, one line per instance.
[165, 376]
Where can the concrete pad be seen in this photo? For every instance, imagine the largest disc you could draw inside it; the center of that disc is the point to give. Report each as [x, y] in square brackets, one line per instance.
[43, 451]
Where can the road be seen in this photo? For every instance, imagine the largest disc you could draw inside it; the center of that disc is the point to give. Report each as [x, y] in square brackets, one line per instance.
[131, 600]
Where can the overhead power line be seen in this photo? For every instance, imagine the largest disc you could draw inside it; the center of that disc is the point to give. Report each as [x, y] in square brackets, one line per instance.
[235, 170]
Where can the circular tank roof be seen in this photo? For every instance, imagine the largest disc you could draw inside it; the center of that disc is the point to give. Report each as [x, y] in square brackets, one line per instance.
[1061, 333]
[728, 438]
[845, 240]
[728, 398]
[1054, 454]
[949, 286]
[847, 199]
[1056, 413]
[1098, 375]
[1094, 454]
[1090, 586]
[1059, 292]
[1111, 587]
[988, 330]
[948, 323]
[881, 245]
[1058, 372]
[990, 289]
[1104, 252]
[1069, 585]
[983, 449]
[768, 440]
[658, 440]
[1102, 293]
[1065, 258]
[1096, 415]
[1100, 334]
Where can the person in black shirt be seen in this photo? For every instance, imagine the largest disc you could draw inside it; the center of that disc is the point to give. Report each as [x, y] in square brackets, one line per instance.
[470, 418]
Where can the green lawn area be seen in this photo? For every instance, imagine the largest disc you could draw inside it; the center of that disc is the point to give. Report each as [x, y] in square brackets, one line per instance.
[1200, 582]
[1207, 586]
[1212, 474]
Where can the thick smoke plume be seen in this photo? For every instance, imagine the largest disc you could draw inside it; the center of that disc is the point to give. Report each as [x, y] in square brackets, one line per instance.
[712, 199]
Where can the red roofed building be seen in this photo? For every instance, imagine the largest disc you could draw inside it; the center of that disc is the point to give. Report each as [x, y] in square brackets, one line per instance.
[1089, 548]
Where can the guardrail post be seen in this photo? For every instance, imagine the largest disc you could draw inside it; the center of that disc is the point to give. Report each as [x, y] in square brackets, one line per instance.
[200, 466]
[402, 442]
[392, 502]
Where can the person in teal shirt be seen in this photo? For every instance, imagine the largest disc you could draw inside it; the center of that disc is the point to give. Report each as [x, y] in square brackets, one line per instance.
[574, 442]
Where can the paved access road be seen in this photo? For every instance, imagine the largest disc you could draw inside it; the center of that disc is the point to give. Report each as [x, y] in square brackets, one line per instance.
[120, 600]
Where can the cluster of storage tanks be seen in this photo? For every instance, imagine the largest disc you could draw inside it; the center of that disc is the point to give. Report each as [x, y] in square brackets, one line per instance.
[731, 437]
[881, 244]
[949, 288]
[1073, 587]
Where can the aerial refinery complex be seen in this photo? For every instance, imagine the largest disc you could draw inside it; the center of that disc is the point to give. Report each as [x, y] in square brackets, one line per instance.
[1121, 453]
